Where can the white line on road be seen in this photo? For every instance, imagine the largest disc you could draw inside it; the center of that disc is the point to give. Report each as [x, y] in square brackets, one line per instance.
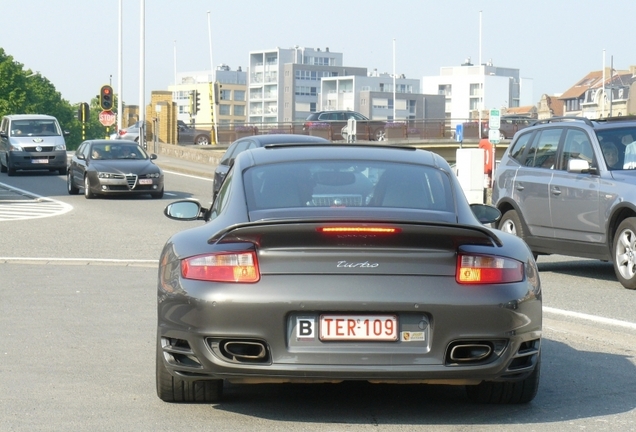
[35, 208]
[188, 175]
[79, 260]
[593, 318]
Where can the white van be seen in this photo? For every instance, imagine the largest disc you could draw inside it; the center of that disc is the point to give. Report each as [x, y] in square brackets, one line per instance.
[32, 142]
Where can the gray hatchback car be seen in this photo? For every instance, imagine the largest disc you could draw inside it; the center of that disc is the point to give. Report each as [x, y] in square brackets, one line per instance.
[567, 185]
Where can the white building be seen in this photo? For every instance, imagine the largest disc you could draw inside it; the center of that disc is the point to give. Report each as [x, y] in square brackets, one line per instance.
[469, 88]
[232, 107]
[373, 97]
[284, 84]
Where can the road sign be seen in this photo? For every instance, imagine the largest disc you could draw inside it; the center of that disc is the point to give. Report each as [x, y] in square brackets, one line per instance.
[494, 136]
[459, 133]
[494, 121]
[107, 118]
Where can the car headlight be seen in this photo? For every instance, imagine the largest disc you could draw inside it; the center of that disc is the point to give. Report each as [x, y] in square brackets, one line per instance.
[15, 147]
[60, 147]
[153, 175]
[105, 175]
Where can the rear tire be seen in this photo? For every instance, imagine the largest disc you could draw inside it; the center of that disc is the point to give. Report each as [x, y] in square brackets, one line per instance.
[202, 140]
[510, 223]
[511, 392]
[623, 256]
[173, 389]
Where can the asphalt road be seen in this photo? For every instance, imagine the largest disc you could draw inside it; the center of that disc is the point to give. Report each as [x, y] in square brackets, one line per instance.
[77, 325]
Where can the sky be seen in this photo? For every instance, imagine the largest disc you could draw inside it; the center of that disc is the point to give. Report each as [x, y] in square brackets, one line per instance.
[74, 44]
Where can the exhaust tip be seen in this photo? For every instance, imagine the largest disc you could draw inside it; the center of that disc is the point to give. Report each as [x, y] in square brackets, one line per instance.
[239, 350]
[469, 352]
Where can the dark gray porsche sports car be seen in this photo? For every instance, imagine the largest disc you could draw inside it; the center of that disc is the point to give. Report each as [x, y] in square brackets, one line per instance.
[325, 263]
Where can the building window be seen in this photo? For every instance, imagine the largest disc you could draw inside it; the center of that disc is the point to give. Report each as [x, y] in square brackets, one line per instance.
[306, 91]
[312, 106]
[224, 109]
[239, 95]
[226, 94]
[475, 89]
[239, 110]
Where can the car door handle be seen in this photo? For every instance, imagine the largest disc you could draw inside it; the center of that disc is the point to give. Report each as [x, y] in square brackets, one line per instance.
[519, 187]
[555, 191]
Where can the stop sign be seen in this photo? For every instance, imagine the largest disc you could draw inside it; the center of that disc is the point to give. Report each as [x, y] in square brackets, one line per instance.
[107, 118]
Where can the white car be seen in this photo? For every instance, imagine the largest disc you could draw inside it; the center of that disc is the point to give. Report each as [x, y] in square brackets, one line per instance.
[129, 133]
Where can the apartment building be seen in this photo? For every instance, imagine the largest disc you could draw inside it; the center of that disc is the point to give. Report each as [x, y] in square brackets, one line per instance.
[470, 88]
[231, 97]
[373, 96]
[284, 83]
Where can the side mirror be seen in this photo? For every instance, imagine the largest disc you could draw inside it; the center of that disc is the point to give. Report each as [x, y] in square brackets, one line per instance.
[80, 156]
[153, 156]
[3, 134]
[578, 166]
[485, 214]
[66, 133]
[185, 210]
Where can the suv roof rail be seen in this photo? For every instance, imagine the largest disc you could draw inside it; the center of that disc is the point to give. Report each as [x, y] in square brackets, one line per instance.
[564, 118]
[619, 118]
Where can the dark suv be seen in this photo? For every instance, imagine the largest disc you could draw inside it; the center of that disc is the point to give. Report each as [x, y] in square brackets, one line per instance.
[567, 185]
[366, 129]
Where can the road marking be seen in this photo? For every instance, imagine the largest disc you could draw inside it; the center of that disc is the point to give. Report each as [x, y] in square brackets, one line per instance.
[18, 204]
[593, 318]
[189, 175]
[80, 261]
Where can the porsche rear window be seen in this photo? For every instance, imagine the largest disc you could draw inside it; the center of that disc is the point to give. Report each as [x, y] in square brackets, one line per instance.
[347, 184]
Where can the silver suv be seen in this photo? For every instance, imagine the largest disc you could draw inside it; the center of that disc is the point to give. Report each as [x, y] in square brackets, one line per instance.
[567, 185]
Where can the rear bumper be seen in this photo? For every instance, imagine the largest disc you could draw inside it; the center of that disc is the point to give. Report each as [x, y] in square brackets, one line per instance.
[195, 326]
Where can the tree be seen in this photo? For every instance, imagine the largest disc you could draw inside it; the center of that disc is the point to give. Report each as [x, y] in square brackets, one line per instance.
[25, 92]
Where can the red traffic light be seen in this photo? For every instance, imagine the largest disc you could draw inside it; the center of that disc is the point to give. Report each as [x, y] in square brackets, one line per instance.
[106, 97]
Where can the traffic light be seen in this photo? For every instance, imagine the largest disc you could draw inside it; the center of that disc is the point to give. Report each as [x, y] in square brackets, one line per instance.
[197, 102]
[106, 98]
[216, 92]
[83, 114]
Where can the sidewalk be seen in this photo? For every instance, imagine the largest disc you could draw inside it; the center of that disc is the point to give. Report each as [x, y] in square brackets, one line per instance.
[184, 166]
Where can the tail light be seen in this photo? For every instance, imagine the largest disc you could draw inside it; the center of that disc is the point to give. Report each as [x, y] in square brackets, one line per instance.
[360, 230]
[122, 132]
[483, 269]
[241, 267]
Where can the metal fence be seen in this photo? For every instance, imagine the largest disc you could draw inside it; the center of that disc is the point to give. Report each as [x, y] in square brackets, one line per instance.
[372, 130]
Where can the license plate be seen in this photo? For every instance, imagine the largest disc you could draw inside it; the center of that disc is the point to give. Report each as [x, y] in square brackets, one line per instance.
[145, 181]
[39, 161]
[358, 327]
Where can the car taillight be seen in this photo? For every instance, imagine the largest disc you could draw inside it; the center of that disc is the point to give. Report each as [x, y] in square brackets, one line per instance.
[362, 230]
[122, 132]
[483, 269]
[222, 267]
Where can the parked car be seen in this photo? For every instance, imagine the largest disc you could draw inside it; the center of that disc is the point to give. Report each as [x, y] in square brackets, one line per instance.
[106, 167]
[366, 129]
[128, 133]
[326, 263]
[188, 134]
[567, 185]
[255, 141]
[32, 142]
